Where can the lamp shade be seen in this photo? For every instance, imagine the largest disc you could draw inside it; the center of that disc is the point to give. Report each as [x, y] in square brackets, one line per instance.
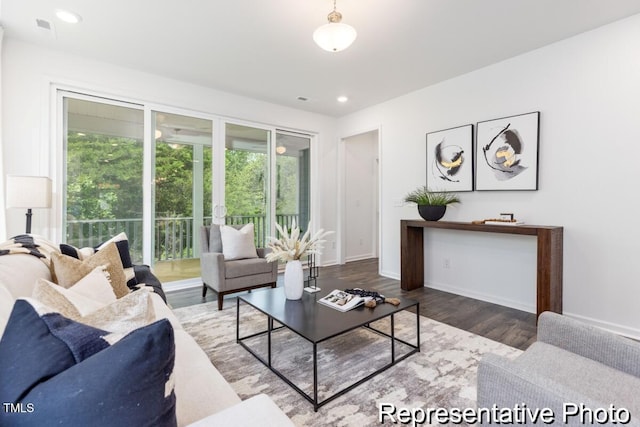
[334, 36]
[28, 191]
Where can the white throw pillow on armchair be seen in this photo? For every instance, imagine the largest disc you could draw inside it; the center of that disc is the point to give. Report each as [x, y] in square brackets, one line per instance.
[238, 244]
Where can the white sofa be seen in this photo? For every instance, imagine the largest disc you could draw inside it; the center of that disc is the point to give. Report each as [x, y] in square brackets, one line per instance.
[203, 397]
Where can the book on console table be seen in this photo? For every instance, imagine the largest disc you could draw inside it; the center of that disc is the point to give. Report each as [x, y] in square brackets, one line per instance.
[343, 301]
[514, 222]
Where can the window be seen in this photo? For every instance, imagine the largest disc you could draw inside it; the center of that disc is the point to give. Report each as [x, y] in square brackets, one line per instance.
[103, 179]
[159, 181]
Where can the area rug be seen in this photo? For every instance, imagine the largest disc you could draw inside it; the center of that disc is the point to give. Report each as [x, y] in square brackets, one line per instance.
[442, 375]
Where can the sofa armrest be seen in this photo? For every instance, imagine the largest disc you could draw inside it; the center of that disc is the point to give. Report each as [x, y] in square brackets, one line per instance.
[212, 269]
[145, 275]
[259, 410]
[588, 341]
[505, 384]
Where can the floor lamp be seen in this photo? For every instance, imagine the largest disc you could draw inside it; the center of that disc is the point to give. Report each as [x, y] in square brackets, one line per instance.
[28, 192]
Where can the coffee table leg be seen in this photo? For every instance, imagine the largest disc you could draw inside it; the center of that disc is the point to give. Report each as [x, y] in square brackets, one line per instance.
[269, 329]
[238, 320]
[418, 325]
[315, 377]
[393, 340]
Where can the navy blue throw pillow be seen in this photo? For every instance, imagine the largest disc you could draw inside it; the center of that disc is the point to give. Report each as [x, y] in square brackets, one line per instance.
[127, 383]
[29, 353]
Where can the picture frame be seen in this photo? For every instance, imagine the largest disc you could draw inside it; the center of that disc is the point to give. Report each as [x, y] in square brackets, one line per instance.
[507, 153]
[450, 159]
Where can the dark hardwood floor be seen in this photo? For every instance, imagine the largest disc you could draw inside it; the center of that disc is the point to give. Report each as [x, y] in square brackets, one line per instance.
[503, 324]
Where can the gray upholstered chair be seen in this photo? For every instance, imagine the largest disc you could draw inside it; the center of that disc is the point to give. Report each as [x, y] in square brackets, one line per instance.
[571, 363]
[230, 276]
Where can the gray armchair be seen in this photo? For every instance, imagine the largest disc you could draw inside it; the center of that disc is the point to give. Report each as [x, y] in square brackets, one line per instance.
[571, 363]
[227, 277]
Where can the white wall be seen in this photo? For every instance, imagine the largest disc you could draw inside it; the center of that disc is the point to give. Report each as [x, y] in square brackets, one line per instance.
[361, 196]
[586, 88]
[27, 74]
[588, 92]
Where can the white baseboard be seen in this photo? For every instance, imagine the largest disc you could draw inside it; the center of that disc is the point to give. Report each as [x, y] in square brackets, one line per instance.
[359, 257]
[329, 263]
[182, 284]
[529, 308]
[607, 326]
[389, 274]
[326, 262]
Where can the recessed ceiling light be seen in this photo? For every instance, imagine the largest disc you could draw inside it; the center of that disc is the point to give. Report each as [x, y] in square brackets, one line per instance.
[342, 99]
[68, 17]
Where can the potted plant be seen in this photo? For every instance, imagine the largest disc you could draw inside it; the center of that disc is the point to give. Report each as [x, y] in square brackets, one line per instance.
[431, 204]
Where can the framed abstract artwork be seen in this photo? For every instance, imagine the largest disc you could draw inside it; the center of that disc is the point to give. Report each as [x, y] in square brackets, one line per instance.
[507, 153]
[449, 159]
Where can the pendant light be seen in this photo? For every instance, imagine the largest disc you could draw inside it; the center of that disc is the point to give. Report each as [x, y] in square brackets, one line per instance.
[334, 36]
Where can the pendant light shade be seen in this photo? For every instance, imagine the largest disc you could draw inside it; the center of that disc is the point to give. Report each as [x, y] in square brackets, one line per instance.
[334, 36]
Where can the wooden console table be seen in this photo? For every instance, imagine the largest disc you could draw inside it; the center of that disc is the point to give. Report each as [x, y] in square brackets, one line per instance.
[549, 242]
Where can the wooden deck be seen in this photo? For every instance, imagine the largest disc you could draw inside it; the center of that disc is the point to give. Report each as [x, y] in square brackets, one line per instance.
[171, 271]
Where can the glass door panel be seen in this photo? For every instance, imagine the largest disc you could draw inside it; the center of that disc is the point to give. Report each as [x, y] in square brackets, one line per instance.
[103, 173]
[292, 179]
[257, 180]
[182, 196]
[247, 178]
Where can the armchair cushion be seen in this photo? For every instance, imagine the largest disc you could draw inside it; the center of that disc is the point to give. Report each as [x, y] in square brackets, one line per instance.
[238, 243]
[247, 267]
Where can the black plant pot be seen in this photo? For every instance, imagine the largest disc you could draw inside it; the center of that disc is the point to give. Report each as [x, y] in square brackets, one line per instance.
[431, 213]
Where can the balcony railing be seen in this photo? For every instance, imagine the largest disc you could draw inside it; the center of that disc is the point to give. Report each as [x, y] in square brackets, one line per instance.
[174, 238]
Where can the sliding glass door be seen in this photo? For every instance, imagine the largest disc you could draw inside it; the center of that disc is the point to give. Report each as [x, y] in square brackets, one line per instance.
[182, 193]
[159, 176]
[103, 172]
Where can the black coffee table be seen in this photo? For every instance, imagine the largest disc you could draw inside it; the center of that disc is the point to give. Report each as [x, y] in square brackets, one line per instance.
[317, 323]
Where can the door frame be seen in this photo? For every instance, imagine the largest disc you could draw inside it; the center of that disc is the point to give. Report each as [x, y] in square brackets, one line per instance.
[57, 161]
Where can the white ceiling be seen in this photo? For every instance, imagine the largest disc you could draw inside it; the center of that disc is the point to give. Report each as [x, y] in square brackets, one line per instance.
[263, 48]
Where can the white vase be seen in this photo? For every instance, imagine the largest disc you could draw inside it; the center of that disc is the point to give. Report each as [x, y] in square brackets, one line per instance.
[293, 280]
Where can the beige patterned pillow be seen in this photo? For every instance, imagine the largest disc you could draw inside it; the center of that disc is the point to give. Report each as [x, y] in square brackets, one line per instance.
[126, 314]
[67, 270]
[46, 293]
[130, 312]
[89, 294]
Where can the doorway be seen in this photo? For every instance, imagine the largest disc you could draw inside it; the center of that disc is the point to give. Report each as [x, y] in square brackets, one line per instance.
[361, 197]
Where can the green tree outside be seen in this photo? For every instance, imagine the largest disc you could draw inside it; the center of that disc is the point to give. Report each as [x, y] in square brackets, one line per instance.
[104, 182]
